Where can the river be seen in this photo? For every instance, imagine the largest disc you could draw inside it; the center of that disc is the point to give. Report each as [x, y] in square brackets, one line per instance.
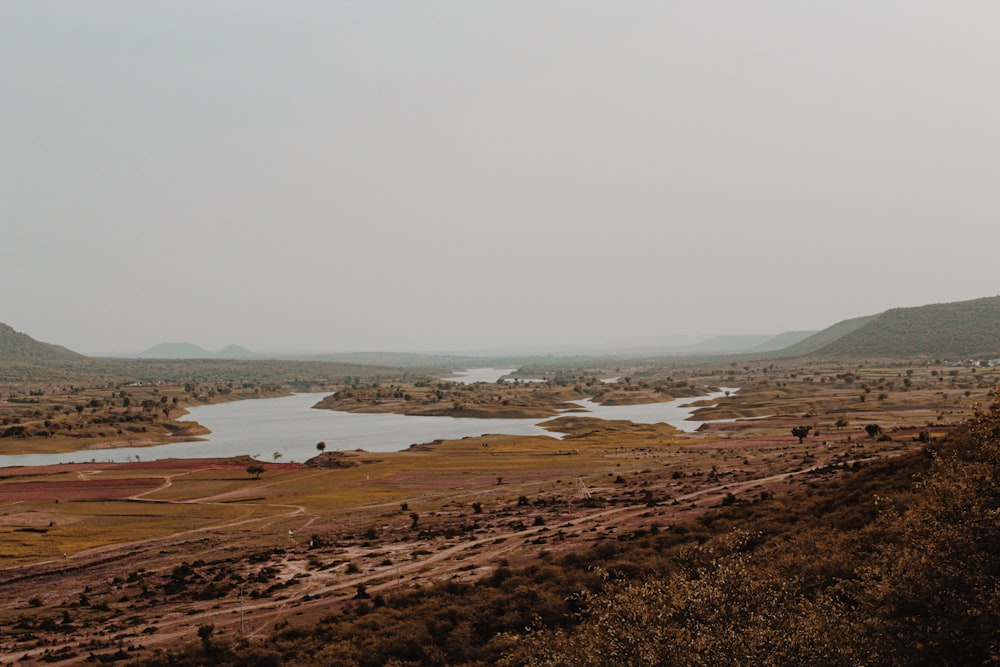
[290, 427]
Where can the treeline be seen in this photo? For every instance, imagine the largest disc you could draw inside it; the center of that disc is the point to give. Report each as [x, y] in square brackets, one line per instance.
[893, 563]
[92, 372]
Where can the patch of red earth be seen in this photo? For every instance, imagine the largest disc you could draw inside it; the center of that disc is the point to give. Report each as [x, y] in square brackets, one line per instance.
[198, 464]
[95, 489]
[161, 464]
[55, 469]
[456, 479]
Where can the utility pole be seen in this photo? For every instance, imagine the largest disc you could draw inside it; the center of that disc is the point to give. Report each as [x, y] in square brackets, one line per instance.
[241, 611]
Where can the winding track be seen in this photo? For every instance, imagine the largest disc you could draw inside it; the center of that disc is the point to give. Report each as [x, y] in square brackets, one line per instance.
[325, 588]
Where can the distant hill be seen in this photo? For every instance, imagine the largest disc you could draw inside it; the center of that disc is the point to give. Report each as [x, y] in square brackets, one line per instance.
[387, 359]
[16, 346]
[635, 345]
[235, 352]
[175, 351]
[733, 343]
[782, 341]
[408, 360]
[687, 346]
[824, 338]
[958, 330]
[192, 351]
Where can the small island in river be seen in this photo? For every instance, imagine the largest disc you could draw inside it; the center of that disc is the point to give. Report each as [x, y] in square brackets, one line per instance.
[505, 400]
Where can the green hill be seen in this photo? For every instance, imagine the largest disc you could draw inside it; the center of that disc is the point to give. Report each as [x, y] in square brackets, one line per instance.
[16, 346]
[824, 338]
[959, 330]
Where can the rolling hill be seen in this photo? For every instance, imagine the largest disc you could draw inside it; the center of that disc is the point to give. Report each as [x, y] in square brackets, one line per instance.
[822, 339]
[17, 346]
[192, 351]
[732, 343]
[954, 331]
[948, 331]
[235, 352]
[783, 340]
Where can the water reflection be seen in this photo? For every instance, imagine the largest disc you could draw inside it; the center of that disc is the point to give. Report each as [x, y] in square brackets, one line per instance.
[290, 428]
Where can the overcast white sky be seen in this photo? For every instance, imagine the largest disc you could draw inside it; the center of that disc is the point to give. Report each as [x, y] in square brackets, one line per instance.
[448, 175]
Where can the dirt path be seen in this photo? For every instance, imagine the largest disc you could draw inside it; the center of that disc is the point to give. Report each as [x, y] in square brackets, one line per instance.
[314, 589]
[330, 588]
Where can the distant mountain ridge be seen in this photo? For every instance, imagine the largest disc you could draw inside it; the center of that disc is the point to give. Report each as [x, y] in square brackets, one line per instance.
[691, 346]
[783, 340]
[727, 344]
[175, 351]
[949, 331]
[822, 339]
[236, 352]
[17, 346]
[192, 351]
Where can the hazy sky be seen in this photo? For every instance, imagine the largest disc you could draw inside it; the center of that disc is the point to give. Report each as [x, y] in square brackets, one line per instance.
[440, 175]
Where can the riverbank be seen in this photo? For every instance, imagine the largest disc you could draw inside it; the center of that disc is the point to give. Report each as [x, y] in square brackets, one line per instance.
[107, 421]
[289, 429]
[503, 400]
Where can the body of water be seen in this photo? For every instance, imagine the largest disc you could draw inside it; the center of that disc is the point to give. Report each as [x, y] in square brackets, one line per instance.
[290, 427]
[671, 412]
[471, 375]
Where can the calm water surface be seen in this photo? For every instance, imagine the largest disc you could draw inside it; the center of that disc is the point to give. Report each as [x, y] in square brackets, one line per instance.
[290, 427]
[471, 375]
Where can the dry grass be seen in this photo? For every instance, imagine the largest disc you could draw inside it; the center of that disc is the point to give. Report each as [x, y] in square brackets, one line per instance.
[634, 475]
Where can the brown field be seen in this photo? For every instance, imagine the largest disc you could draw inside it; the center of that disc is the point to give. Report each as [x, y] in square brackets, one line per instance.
[136, 556]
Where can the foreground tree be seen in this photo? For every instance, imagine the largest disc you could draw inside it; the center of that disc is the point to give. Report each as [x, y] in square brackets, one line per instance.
[205, 634]
[801, 432]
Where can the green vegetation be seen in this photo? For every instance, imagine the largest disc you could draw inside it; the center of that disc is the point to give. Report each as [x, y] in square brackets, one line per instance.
[962, 330]
[16, 346]
[824, 338]
[99, 372]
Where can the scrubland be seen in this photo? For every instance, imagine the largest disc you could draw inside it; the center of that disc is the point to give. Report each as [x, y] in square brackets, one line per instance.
[730, 545]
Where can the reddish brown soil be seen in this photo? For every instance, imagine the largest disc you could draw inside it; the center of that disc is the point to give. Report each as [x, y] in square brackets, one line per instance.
[92, 489]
